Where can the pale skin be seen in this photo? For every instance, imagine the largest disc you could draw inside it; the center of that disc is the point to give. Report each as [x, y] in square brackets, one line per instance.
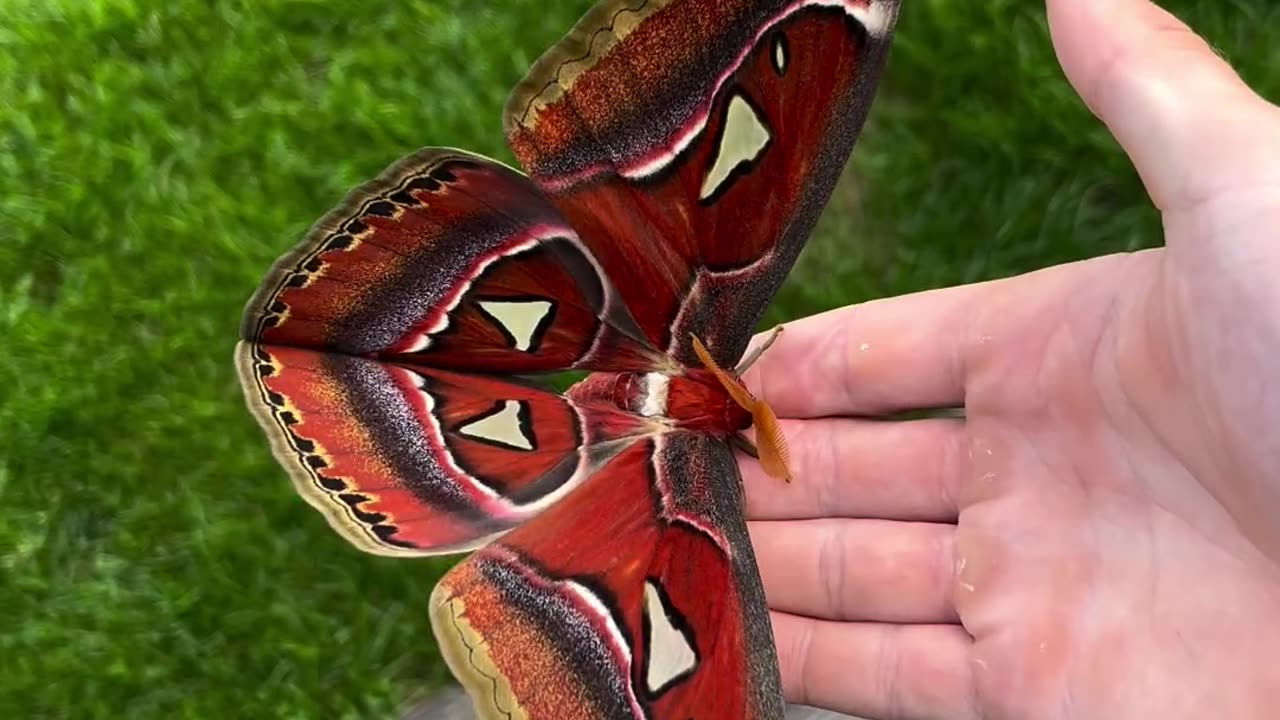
[1099, 537]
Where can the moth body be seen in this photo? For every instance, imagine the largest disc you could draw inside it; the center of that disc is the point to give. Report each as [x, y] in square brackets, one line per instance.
[693, 400]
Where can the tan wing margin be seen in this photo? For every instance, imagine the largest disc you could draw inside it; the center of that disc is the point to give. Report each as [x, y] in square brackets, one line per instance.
[604, 25]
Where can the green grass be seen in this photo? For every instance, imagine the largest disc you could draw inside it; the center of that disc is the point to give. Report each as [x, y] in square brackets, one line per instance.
[155, 157]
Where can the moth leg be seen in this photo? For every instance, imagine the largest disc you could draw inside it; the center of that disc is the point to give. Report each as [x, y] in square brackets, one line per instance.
[755, 354]
[743, 443]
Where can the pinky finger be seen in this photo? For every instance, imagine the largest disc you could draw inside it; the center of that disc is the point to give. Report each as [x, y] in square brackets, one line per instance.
[876, 669]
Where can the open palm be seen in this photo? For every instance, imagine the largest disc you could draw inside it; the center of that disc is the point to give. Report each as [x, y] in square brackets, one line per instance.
[1099, 536]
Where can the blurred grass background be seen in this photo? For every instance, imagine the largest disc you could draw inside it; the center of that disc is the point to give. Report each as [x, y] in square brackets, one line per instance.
[155, 157]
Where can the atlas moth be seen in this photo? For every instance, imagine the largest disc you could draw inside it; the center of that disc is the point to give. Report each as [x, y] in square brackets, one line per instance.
[678, 154]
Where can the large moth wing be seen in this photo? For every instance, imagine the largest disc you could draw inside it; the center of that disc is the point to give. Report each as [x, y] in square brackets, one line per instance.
[453, 260]
[354, 348]
[411, 460]
[694, 144]
[636, 596]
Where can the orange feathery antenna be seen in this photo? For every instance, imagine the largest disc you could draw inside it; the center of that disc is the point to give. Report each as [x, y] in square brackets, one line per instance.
[770, 443]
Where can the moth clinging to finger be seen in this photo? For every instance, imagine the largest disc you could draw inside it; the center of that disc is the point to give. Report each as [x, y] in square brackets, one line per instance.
[678, 154]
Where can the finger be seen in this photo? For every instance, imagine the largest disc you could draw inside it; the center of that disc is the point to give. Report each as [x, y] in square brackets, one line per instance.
[863, 468]
[871, 570]
[1189, 123]
[869, 359]
[876, 669]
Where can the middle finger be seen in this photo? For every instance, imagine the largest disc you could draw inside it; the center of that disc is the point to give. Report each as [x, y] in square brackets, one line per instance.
[846, 467]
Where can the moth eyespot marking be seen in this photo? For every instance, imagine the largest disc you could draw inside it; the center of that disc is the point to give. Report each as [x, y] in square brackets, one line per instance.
[507, 424]
[670, 655]
[743, 139]
[781, 53]
[523, 322]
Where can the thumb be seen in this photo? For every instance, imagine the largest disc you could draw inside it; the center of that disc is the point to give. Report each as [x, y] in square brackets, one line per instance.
[1190, 125]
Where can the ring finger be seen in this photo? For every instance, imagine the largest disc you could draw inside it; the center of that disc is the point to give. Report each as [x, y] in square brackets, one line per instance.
[858, 570]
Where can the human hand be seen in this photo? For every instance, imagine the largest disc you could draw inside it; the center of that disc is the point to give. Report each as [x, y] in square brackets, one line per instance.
[1099, 536]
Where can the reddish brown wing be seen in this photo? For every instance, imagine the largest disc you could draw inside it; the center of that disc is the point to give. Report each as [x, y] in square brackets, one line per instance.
[448, 259]
[686, 148]
[408, 460]
[634, 597]
[714, 131]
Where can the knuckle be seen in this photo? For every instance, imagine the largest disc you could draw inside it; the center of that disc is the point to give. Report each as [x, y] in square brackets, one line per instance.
[888, 675]
[802, 656]
[831, 569]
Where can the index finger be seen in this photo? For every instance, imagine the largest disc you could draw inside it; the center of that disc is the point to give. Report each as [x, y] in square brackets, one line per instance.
[874, 358]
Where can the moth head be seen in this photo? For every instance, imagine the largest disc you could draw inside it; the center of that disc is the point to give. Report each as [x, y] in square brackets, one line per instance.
[770, 444]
